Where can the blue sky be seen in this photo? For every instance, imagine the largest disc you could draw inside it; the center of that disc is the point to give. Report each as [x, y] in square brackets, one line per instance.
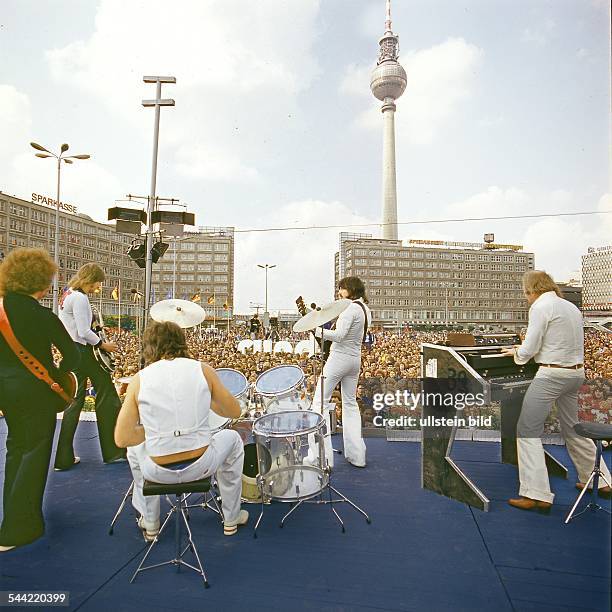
[506, 112]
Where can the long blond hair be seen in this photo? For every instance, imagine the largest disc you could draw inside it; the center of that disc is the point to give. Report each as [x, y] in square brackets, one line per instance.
[87, 275]
[538, 282]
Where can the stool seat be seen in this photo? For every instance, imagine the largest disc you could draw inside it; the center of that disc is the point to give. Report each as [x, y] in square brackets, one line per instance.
[594, 431]
[158, 488]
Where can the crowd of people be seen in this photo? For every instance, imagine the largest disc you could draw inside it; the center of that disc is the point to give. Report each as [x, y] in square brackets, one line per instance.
[392, 359]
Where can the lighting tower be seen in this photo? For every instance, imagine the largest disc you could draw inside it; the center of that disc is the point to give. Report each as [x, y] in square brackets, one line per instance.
[388, 83]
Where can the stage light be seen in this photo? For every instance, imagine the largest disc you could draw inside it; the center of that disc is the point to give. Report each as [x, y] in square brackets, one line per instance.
[158, 250]
[136, 252]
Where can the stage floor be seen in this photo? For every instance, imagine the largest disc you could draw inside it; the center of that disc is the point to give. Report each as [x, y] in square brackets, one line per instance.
[421, 552]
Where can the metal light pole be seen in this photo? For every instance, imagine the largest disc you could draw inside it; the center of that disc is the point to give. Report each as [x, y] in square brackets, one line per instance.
[158, 102]
[266, 267]
[68, 160]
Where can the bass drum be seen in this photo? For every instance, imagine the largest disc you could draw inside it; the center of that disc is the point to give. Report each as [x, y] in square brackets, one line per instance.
[250, 469]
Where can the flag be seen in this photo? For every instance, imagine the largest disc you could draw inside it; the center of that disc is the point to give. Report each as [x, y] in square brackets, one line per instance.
[115, 293]
[65, 292]
[211, 299]
[196, 297]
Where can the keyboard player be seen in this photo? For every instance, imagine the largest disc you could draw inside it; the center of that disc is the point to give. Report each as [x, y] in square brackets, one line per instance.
[555, 340]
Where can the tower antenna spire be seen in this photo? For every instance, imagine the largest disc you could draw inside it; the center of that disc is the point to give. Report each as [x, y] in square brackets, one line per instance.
[388, 83]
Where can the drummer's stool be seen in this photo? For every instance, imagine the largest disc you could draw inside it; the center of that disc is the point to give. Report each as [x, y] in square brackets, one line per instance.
[598, 432]
[181, 492]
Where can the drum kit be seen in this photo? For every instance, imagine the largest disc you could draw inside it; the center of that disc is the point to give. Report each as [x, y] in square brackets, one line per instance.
[282, 432]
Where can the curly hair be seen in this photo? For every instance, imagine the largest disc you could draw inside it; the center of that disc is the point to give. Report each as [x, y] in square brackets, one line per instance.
[355, 287]
[87, 275]
[26, 271]
[164, 341]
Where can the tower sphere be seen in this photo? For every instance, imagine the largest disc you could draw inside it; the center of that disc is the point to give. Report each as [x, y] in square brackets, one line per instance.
[388, 80]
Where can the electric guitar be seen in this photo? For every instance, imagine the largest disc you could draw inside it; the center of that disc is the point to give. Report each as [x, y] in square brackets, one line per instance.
[104, 358]
[303, 311]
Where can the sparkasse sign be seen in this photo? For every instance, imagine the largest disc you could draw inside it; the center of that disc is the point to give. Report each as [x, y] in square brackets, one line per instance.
[48, 201]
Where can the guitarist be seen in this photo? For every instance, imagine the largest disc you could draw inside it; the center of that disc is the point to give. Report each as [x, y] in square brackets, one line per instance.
[76, 315]
[29, 405]
[344, 364]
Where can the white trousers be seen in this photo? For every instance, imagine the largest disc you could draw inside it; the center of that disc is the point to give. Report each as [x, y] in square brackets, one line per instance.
[224, 458]
[344, 369]
[551, 386]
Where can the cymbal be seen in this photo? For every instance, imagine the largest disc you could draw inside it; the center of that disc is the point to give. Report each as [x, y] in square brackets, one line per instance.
[317, 318]
[182, 312]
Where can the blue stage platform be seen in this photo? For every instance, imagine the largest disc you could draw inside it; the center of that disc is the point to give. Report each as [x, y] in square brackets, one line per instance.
[422, 552]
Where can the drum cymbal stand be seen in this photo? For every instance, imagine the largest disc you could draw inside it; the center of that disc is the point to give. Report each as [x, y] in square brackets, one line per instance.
[321, 358]
[341, 497]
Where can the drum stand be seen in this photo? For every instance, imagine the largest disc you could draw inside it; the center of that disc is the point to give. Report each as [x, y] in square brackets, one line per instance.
[328, 486]
[128, 493]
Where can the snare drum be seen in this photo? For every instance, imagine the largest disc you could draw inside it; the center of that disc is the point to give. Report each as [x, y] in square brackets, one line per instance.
[287, 472]
[282, 388]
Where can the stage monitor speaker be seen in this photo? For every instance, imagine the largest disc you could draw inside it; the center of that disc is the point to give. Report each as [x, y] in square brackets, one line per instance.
[128, 227]
[127, 214]
[174, 230]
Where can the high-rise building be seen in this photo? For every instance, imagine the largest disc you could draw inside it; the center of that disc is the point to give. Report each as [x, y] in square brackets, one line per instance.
[597, 281]
[199, 266]
[437, 282]
[26, 223]
[388, 83]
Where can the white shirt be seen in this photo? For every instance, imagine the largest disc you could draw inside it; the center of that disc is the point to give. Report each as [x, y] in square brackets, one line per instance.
[75, 313]
[555, 333]
[174, 406]
[347, 338]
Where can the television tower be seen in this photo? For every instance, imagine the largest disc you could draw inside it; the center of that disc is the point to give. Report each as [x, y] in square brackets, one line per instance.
[388, 83]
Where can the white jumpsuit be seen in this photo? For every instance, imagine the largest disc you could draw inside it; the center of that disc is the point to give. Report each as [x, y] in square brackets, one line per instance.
[342, 367]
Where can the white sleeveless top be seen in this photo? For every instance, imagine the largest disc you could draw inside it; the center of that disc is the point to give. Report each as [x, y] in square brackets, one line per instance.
[174, 404]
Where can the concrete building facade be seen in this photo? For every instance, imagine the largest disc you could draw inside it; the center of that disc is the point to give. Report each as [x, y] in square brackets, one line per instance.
[597, 281]
[201, 263]
[31, 223]
[439, 283]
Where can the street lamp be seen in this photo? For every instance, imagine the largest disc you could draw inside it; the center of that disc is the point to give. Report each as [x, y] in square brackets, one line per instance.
[266, 267]
[68, 160]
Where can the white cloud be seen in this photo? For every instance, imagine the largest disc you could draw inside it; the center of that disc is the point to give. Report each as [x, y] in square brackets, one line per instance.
[238, 65]
[198, 161]
[15, 123]
[85, 183]
[558, 242]
[304, 258]
[440, 78]
[540, 35]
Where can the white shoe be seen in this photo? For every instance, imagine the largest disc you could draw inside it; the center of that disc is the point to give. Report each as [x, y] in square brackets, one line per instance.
[230, 529]
[149, 534]
[6, 548]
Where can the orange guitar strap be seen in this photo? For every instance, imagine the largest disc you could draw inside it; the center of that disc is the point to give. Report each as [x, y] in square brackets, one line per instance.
[26, 358]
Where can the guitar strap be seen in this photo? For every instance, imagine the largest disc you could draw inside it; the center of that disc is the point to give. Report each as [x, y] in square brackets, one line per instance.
[365, 322]
[26, 358]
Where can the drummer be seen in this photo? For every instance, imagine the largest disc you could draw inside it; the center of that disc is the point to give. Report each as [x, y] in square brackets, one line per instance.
[164, 422]
[343, 367]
